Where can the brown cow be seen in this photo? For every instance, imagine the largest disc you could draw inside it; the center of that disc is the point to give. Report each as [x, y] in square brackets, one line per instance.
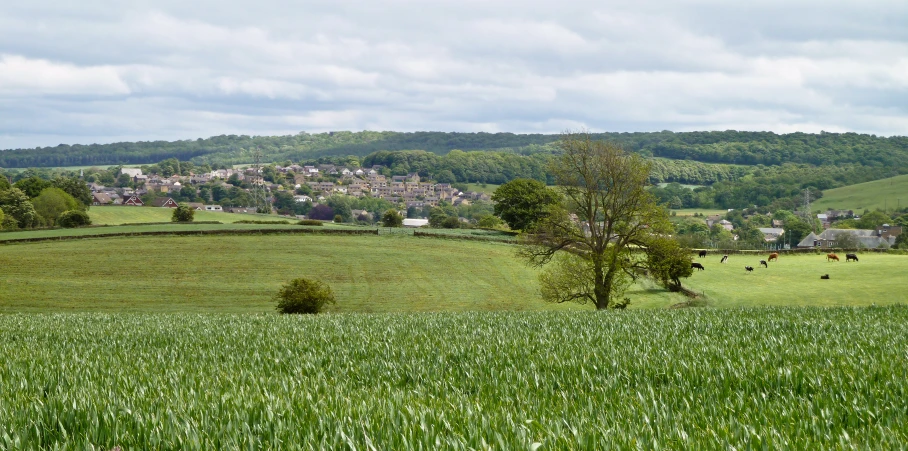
[831, 257]
[773, 257]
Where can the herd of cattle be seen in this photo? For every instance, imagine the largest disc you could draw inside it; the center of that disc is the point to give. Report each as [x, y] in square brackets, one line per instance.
[772, 257]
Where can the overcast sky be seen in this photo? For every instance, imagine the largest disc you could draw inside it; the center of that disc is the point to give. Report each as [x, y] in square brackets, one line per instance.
[95, 71]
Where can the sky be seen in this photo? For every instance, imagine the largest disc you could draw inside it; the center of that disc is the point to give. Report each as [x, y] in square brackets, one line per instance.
[98, 71]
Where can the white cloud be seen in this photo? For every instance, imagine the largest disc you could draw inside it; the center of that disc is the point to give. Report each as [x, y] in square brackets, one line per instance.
[22, 77]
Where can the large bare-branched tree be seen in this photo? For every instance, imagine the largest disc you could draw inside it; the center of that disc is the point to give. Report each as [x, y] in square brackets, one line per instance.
[592, 242]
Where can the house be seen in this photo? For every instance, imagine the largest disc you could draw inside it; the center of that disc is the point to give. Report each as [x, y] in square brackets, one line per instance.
[771, 233]
[213, 208]
[131, 172]
[100, 199]
[726, 224]
[712, 219]
[197, 206]
[824, 219]
[164, 202]
[133, 201]
[889, 230]
[778, 223]
[809, 241]
[863, 237]
[413, 222]
[302, 198]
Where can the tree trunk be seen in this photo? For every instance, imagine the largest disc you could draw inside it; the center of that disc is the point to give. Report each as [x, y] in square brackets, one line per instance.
[602, 288]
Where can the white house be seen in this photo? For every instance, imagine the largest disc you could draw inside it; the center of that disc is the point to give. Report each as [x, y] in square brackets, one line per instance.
[213, 208]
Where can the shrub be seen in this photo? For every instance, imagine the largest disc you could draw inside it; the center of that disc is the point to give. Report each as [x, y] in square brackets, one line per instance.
[392, 218]
[338, 218]
[183, 213]
[451, 222]
[73, 218]
[309, 222]
[304, 296]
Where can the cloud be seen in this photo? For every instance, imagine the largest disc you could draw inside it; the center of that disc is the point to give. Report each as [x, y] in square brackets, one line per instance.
[102, 71]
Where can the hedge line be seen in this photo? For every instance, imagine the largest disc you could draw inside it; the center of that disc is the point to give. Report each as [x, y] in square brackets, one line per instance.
[452, 236]
[196, 232]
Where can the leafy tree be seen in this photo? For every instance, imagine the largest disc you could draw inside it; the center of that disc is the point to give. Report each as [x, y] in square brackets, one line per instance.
[183, 213]
[321, 212]
[606, 189]
[16, 205]
[901, 241]
[304, 296]
[445, 176]
[392, 218]
[219, 193]
[451, 222]
[488, 221]
[52, 202]
[4, 183]
[523, 202]
[795, 231]
[338, 218]
[75, 188]
[873, 220]
[846, 240]
[437, 217]
[74, 218]
[32, 186]
[668, 262]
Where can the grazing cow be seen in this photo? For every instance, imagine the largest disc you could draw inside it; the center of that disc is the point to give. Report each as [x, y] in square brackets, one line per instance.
[763, 262]
[697, 266]
[825, 276]
[773, 256]
[831, 257]
[850, 257]
[749, 268]
[724, 258]
[702, 254]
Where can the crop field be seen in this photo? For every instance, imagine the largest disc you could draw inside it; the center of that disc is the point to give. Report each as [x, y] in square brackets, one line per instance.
[780, 378]
[890, 194]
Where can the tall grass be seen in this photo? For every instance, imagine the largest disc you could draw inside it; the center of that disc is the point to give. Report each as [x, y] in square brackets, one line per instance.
[696, 379]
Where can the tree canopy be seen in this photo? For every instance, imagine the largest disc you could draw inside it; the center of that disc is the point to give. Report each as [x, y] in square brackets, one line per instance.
[523, 202]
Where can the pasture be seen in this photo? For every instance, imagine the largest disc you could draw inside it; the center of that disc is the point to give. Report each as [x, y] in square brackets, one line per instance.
[890, 194]
[133, 215]
[389, 273]
[689, 379]
[703, 211]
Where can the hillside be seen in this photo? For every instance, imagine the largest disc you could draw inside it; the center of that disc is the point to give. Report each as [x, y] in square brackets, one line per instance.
[889, 193]
[730, 147]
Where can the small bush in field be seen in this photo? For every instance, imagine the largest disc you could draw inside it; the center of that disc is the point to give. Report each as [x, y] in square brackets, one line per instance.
[74, 218]
[304, 296]
[309, 222]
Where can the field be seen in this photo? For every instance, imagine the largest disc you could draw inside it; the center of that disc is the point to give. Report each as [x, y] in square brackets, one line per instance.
[133, 215]
[889, 194]
[704, 211]
[387, 273]
[690, 379]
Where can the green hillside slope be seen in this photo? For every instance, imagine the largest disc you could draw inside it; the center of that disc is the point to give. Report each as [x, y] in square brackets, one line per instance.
[890, 193]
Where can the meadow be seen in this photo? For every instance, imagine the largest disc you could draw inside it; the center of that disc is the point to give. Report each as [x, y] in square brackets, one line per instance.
[109, 215]
[889, 194]
[780, 378]
[394, 272]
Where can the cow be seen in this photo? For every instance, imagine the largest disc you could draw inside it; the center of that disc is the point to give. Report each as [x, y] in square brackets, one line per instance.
[697, 266]
[850, 257]
[763, 262]
[773, 257]
[702, 254]
[831, 257]
[749, 268]
[724, 258]
[825, 277]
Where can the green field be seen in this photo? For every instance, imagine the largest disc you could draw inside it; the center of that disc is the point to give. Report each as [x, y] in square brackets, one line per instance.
[487, 188]
[704, 211]
[690, 379]
[889, 194]
[133, 215]
[387, 273]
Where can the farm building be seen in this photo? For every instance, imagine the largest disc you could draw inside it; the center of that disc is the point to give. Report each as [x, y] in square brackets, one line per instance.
[411, 222]
[164, 202]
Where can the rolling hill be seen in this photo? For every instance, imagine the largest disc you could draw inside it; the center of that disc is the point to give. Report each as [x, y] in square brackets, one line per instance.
[889, 193]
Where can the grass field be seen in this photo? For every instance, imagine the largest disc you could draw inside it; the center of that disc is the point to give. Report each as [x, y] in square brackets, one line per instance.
[132, 215]
[691, 379]
[388, 273]
[487, 188]
[703, 211]
[890, 193]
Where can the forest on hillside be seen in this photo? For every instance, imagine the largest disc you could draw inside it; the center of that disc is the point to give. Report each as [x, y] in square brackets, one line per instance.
[728, 147]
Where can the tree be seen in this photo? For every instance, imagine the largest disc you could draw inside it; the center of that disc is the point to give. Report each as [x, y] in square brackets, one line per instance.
[15, 204]
[52, 202]
[901, 241]
[668, 262]
[32, 186]
[74, 218]
[451, 222]
[392, 218]
[183, 213]
[522, 202]
[75, 188]
[322, 212]
[304, 296]
[873, 220]
[606, 216]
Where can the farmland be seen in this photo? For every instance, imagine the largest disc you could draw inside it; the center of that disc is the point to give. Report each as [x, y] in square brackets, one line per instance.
[387, 273]
[703, 378]
[134, 215]
[890, 193]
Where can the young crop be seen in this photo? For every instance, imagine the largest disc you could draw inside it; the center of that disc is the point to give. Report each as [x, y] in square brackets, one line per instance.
[696, 379]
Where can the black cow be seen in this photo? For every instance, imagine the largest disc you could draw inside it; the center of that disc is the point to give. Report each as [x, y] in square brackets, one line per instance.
[702, 254]
[763, 262]
[724, 258]
[749, 268]
[850, 257]
[825, 276]
[697, 266]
